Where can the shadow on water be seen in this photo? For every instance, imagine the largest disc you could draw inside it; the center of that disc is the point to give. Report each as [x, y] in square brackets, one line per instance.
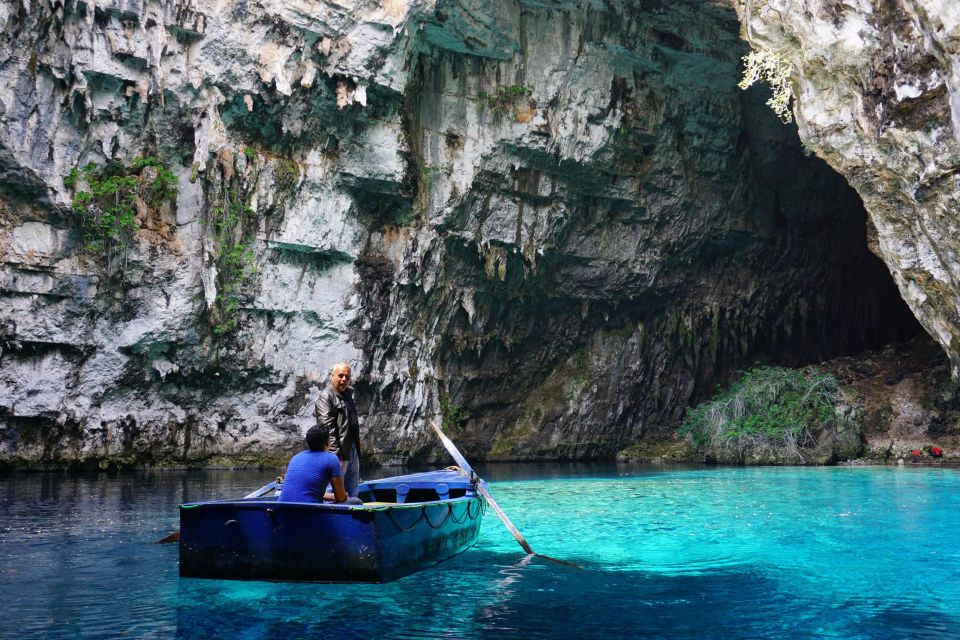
[481, 594]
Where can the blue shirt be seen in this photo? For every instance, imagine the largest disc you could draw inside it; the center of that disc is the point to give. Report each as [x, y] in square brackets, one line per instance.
[308, 475]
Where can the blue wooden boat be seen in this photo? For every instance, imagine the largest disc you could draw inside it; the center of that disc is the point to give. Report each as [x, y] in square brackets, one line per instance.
[406, 523]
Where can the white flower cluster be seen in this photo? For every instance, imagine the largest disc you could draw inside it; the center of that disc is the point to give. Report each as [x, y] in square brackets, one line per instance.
[774, 69]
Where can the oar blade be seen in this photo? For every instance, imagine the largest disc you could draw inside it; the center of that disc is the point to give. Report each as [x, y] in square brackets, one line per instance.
[452, 450]
[558, 561]
[173, 537]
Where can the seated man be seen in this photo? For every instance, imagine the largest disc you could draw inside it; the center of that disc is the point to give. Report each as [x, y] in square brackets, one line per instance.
[310, 471]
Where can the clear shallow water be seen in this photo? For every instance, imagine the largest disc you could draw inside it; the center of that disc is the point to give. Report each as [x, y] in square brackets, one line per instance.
[705, 553]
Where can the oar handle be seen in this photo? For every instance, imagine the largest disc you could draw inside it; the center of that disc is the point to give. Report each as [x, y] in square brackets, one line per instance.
[265, 489]
[453, 451]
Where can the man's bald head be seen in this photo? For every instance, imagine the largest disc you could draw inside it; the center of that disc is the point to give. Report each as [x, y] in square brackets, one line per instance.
[340, 376]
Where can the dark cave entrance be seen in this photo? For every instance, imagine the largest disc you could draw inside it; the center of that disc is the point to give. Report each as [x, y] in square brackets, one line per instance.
[862, 306]
[823, 230]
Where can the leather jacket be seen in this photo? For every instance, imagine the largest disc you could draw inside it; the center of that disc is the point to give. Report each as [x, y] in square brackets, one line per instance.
[338, 413]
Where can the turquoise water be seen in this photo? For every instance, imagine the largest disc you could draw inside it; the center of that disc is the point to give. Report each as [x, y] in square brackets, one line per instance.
[666, 553]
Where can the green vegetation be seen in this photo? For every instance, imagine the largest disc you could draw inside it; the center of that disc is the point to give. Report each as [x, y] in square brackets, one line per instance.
[287, 174]
[231, 225]
[429, 172]
[505, 94]
[164, 184]
[509, 98]
[234, 260]
[106, 200]
[774, 69]
[450, 415]
[771, 414]
[658, 450]
[512, 438]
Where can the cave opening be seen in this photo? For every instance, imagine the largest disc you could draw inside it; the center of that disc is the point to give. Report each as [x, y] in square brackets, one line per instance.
[848, 301]
[863, 308]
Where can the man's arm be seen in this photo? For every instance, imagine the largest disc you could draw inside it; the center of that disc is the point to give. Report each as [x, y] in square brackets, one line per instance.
[325, 412]
[339, 493]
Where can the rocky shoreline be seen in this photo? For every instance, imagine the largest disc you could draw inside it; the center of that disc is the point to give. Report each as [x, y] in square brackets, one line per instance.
[902, 397]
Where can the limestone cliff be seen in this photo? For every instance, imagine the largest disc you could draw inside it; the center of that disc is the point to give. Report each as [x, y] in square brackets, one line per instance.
[554, 223]
[877, 95]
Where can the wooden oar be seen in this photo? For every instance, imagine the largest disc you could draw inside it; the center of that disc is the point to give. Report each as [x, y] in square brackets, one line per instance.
[265, 489]
[172, 537]
[482, 490]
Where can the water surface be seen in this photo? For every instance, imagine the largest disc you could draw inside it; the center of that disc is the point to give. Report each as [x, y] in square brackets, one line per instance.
[667, 553]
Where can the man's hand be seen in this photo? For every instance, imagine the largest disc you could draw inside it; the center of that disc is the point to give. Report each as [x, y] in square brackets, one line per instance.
[340, 494]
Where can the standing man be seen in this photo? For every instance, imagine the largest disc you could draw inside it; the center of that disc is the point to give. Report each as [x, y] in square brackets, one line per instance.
[336, 411]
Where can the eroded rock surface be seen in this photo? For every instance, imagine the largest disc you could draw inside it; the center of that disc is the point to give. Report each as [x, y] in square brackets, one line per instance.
[905, 401]
[552, 223]
[877, 88]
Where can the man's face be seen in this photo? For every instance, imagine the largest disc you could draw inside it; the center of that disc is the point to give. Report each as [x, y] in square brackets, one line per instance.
[340, 378]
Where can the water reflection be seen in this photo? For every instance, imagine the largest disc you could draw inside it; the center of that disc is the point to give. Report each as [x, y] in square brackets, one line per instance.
[485, 596]
[668, 553]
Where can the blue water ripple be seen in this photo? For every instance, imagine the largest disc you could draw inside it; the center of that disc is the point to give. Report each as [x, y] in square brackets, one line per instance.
[854, 553]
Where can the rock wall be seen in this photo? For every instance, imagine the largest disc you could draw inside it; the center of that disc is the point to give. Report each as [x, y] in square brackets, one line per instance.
[552, 225]
[877, 95]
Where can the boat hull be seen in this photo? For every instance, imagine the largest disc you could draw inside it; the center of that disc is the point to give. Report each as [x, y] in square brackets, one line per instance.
[263, 539]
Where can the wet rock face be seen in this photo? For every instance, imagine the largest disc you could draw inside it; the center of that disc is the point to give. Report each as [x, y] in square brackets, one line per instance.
[232, 294]
[877, 89]
[613, 238]
[553, 226]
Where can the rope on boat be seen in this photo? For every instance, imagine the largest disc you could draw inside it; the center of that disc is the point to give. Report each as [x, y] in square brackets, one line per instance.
[481, 508]
[461, 520]
[411, 527]
[442, 522]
